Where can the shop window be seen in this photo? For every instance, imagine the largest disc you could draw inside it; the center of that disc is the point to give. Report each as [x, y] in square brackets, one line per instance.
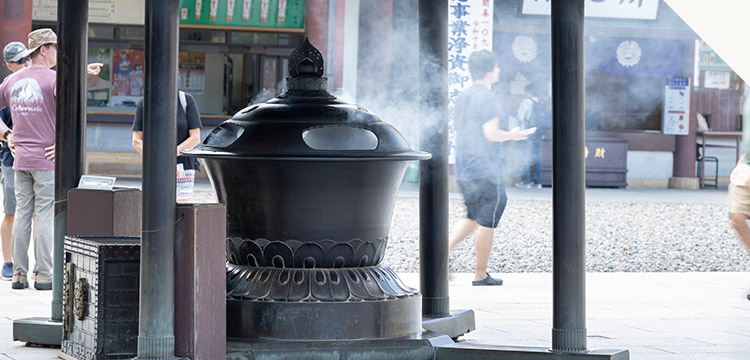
[132, 33]
[254, 38]
[101, 32]
[203, 36]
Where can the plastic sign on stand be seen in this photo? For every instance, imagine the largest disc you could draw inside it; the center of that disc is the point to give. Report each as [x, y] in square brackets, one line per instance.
[676, 116]
[96, 182]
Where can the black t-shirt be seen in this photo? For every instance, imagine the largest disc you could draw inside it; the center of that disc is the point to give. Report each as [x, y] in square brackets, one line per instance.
[185, 123]
[6, 158]
[477, 157]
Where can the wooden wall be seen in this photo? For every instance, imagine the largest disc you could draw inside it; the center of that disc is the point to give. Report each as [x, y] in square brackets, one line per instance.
[722, 105]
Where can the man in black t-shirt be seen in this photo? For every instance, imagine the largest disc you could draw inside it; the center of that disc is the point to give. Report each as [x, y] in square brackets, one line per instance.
[188, 131]
[479, 162]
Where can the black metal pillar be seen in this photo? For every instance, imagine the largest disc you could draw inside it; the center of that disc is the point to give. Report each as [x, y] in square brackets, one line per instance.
[156, 313]
[70, 124]
[433, 173]
[568, 178]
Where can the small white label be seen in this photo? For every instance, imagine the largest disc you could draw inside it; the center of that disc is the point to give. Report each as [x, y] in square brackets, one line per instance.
[717, 79]
[246, 10]
[96, 182]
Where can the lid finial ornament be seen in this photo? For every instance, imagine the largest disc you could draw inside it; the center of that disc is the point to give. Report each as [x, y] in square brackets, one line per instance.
[306, 72]
[306, 61]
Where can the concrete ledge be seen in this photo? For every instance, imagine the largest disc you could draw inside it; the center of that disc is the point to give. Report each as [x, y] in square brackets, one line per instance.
[465, 351]
[417, 347]
[637, 183]
[458, 323]
[38, 330]
[684, 183]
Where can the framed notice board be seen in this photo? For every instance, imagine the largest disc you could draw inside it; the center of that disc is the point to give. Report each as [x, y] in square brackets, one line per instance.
[676, 115]
[284, 14]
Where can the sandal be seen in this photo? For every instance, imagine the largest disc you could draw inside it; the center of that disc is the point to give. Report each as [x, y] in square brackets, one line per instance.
[488, 281]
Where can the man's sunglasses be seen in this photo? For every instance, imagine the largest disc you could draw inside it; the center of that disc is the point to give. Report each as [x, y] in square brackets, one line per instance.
[22, 61]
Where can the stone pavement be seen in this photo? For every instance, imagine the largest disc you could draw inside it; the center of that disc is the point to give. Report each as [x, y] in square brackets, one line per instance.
[659, 316]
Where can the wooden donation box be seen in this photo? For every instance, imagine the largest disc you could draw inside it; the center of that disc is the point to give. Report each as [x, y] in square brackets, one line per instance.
[606, 162]
[100, 297]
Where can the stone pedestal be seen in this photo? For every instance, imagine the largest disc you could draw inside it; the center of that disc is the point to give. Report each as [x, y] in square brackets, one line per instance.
[200, 284]
[101, 289]
[115, 212]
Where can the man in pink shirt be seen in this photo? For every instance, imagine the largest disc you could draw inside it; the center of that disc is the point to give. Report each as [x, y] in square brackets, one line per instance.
[31, 94]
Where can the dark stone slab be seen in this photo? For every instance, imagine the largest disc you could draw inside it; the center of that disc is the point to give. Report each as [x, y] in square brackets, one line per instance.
[458, 323]
[38, 331]
[416, 347]
[466, 351]
[115, 212]
[200, 283]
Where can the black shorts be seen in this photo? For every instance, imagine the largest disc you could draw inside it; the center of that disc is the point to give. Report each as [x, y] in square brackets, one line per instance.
[485, 200]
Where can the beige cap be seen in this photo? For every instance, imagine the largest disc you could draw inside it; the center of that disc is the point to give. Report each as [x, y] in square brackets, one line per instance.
[40, 37]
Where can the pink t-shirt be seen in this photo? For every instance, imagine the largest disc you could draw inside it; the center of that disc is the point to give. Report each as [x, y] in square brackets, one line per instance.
[31, 95]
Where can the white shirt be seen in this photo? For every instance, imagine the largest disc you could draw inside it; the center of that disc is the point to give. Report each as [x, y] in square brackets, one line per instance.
[525, 108]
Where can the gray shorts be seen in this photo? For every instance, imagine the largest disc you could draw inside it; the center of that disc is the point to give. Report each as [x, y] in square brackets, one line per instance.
[9, 193]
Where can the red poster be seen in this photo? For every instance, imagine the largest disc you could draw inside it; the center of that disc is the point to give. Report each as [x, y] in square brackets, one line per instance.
[127, 73]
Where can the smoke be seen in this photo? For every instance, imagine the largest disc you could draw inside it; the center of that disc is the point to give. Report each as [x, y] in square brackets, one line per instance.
[621, 94]
[399, 102]
[388, 77]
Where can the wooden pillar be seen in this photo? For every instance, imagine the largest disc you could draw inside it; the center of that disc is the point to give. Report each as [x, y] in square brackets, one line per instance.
[15, 24]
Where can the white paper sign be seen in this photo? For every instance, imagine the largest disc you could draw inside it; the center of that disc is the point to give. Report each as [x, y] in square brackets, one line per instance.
[618, 9]
[717, 79]
[96, 182]
[675, 119]
[102, 11]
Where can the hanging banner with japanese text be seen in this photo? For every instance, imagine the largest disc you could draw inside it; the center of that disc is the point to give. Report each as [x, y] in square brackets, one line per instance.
[470, 29]
[288, 14]
[618, 9]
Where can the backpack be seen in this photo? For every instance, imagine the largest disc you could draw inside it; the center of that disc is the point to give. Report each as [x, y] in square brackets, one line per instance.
[541, 117]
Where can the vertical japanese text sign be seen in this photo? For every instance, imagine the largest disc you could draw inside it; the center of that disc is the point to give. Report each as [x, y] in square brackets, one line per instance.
[470, 29]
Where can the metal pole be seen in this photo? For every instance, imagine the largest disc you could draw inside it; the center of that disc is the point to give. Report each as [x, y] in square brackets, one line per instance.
[569, 178]
[433, 173]
[70, 124]
[156, 313]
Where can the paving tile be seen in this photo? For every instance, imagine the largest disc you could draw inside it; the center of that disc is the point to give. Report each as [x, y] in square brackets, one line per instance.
[656, 316]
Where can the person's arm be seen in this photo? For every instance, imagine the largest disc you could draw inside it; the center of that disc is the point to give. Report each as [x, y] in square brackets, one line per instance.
[745, 145]
[3, 88]
[138, 141]
[492, 132]
[194, 125]
[194, 138]
[3, 129]
[138, 127]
